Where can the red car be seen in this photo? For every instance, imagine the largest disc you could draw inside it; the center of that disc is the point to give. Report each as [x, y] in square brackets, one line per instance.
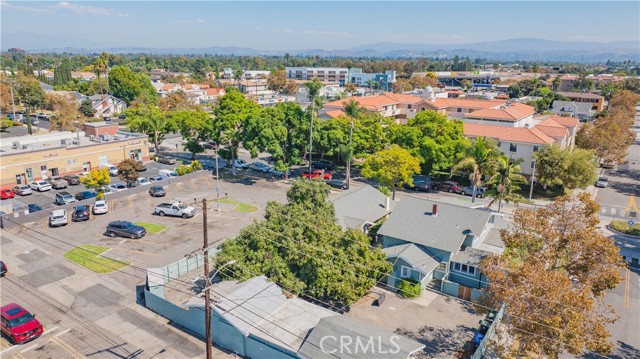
[6, 193]
[316, 175]
[19, 325]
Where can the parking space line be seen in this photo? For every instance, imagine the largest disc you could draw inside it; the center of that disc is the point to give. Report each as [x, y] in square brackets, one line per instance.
[63, 332]
[19, 356]
[46, 226]
[130, 200]
[28, 348]
[67, 347]
[148, 196]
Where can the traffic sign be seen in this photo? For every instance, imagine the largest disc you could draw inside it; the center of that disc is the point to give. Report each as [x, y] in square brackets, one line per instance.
[631, 222]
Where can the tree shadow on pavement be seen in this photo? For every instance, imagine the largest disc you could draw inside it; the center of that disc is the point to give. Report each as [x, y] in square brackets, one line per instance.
[439, 342]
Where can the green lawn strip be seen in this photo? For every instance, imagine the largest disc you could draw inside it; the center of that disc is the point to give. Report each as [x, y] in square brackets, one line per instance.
[88, 256]
[240, 206]
[152, 228]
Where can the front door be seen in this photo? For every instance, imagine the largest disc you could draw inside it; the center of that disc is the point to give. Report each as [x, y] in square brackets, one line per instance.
[29, 173]
[54, 172]
[20, 179]
[86, 166]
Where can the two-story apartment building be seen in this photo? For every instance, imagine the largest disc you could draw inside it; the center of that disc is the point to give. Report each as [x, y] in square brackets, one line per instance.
[332, 74]
[596, 101]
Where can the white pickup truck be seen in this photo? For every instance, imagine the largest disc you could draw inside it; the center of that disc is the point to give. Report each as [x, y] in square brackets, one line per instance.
[177, 209]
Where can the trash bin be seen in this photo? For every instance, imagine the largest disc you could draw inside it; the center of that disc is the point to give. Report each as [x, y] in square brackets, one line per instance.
[379, 300]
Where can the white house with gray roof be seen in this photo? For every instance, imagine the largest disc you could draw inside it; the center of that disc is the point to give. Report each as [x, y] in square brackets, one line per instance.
[428, 240]
[581, 110]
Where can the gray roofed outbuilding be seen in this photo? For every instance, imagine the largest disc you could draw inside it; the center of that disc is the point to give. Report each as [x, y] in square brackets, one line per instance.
[413, 221]
[365, 204]
[413, 255]
[328, 338]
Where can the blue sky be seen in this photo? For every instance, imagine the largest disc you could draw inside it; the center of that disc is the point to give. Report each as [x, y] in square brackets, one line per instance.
[326, 24]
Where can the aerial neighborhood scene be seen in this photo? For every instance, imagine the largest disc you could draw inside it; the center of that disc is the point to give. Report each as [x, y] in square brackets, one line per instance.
[320, 179]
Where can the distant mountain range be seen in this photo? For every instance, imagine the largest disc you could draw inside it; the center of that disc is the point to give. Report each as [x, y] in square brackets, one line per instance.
[504, 50]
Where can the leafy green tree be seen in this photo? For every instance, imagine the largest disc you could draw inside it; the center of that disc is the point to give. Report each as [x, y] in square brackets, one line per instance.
[128, 85]
[481, 159]
[232, 111]
[550, 161]
[308, 253]
[101, 66]
[572, 169]
[128, 171]
[392, 167]
[30, 93]
[86, 108]
[150, 120]
[96, 179]
[195, 126]
[506, 180]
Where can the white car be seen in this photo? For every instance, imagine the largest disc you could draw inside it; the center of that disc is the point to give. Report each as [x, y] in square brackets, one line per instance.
[276, 173]
[143, 181]
[40, 186]
[155, 179]
[240, 163]
[260, 167]
[58, 218]
[117, 187]
[100, 207]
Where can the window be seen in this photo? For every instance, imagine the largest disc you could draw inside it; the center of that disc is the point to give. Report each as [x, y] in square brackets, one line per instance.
[513, 147]
[459, 109]
[29, 173]
[405, 272]
[533, 164]
[43, 168]
[463, 268]
[409, 106]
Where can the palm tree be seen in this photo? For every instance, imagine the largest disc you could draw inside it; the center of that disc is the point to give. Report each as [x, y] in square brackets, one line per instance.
[314, 89]
[506, 180]
[482, 159]
[287, 56]
[99, 66]
[353, 109]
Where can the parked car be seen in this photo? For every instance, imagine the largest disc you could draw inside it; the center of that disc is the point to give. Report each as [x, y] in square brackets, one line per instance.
[260, 167]
[143, 166]
[18, 324]
[32, 208]
[58, 182]
[166, 160]
[447, 186]
[85, 195]
[167, 174]
[113, 171]
[316, 174]
[420, 183]
[209, 145]
[323, 165]
[117, 187]
[72, 180]
[58, 218]
[64, 197]
[3, 269]
[602, 182]
[157, 191]
[339, 184]
[6, 194]
[143, 181]
[80, 213]
[22, 190]
[125, 229]
[100, 207]
[155, 179]
[276, 173]
[40, 186]
[240, 163]
[468, 191]
[176, 209]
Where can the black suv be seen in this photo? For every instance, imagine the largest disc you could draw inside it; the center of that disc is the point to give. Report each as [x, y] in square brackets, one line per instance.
[323, 165]
[125, 229]
[420, 183]
[80, 213]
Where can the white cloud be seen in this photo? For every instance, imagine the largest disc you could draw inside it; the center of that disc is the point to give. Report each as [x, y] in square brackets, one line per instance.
[88, 10]
[186, 22]
[7, 5]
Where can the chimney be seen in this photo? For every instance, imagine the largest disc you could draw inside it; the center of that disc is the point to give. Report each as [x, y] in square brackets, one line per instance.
[434, 210]
[388, 205]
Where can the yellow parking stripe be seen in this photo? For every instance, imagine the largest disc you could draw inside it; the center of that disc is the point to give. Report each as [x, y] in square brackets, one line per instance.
[19, 356]
[67, 348]
[130, 201]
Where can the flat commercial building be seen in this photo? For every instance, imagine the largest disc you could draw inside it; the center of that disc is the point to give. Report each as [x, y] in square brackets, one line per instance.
[332, 74]
[27, 158]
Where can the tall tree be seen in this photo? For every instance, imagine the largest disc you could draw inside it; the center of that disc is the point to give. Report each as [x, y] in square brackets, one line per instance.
[96, 179]
[506, 180]
[551, 278]
[313, 88]
[277, 80]
[393, 167]
[150, 120]
[31, 95]
[128, 85]
[65, 112]
[195, 126]
[353, 109]
[481, 159]
[86, 108]
[100, 66]
[128, 171]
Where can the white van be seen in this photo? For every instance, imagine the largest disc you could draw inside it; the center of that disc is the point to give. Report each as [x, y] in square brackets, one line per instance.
[168, 174]
[113, 171]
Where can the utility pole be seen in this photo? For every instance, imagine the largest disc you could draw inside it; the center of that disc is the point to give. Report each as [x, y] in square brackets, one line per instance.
[350, 155]
[532, 179]
[218, 180]
[13, 105]
[311, 136]
[207, 294]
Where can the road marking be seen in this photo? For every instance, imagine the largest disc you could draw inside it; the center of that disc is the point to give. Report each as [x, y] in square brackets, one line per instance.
[67, 347]
[19, 356]
[148, 197]
[46, 226]
[130, 200]
[52, 329]
[29, 348]
[64, 332]
[627, 286]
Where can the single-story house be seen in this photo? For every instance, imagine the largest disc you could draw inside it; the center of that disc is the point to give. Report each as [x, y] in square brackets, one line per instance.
[361, 208]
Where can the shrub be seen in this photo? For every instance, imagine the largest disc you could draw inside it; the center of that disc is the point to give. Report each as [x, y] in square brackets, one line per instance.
[624, 227]
[384, 190]
[196, 166]
[6, 123]
[100, 196]
[183, 169]
[409, 288]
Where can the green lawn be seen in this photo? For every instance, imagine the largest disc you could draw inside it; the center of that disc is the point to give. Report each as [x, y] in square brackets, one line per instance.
[152, 228]
[88, 256]
[240, 206]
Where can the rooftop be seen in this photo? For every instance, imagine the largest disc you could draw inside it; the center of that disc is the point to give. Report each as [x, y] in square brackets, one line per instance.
[503, 133]
[365, 204]
[413, 254]
[513, 112]
[583, 95]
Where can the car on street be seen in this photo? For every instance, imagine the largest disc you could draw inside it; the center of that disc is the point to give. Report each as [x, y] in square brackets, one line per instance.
[32, 208]
[155, 179]
[72, 180]
[602, 182]
[125, 229]
[446, 186]
[85, 195]
[143, 167]
[117, 187]
[57, 182]
[22, 190]
[40, 186]
[468, 191]
[6, 194]
[420, 183]
[80, 213]
[100, 207]
[64, 197]
[323, 165]
[260, 167]
[58, 218]
[166, 160]
[157, 191]
[3, 269]
[18, 324]
[339, 184]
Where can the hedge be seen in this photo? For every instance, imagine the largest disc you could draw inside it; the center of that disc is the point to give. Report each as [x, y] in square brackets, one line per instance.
[624, 227]
[409, 288]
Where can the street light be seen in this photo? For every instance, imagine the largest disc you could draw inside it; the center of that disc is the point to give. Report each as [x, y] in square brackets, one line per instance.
[233, 261]
[532, 180]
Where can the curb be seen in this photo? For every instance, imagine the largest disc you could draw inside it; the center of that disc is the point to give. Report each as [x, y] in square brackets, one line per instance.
[621, 233]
